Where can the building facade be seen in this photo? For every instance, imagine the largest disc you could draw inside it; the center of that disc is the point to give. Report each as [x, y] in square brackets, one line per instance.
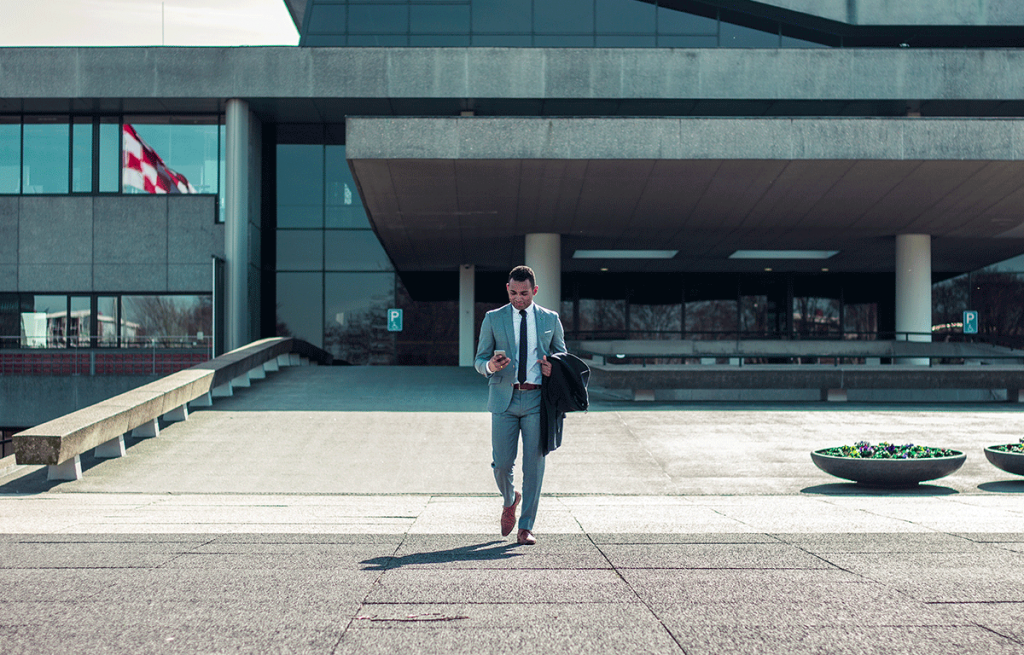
[672, 169]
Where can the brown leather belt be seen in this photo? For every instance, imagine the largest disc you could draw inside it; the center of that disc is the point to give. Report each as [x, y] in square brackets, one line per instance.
[526, 386]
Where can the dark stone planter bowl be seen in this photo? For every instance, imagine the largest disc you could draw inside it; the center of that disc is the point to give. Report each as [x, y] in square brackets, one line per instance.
[1009, 462]
[888, 472]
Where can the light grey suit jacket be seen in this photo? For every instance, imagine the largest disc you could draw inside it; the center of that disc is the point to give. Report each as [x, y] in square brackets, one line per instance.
[497, 333]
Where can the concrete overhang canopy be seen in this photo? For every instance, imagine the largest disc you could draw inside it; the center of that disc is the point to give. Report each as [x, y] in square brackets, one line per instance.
[442, 192]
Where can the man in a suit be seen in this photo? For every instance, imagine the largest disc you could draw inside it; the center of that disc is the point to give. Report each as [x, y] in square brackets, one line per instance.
[514, 366]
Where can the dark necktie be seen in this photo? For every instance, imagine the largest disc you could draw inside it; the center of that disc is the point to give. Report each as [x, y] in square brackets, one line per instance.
[522, 346]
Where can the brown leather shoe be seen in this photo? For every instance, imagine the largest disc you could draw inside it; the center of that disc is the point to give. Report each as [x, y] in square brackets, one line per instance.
[508, 516]
[526, 538]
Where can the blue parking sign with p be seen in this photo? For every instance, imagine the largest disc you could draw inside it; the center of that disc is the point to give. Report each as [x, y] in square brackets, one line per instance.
[970, 322]
[394, 320]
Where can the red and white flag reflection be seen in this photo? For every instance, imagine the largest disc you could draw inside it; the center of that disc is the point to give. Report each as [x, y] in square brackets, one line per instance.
[144, 169]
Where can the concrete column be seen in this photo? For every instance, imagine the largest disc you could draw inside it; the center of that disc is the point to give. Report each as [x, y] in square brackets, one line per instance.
[544, 256]
[914, 290]
[467, 294]
[236, 223]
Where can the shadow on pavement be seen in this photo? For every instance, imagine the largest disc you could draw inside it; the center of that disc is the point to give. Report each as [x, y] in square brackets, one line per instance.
[478, 552]
[856, 489]
[35, 482]
[1003, 487]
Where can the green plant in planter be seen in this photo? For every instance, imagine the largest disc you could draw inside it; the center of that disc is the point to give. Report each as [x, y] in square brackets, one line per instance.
[1008, 457]
[1011, 447]
[886, 450]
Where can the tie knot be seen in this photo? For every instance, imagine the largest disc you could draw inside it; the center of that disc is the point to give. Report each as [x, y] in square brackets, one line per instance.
[522, 312]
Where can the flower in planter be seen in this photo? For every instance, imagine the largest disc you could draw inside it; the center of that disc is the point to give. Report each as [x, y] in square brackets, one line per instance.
[886, 450]
[1011, 447]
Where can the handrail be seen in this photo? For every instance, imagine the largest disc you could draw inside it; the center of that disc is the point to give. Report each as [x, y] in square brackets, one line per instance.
[160, 356]
[73, 342]
[797, 352]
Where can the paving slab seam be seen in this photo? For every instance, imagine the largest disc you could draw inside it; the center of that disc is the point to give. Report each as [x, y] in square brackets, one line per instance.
[633, 590]
[369, 592]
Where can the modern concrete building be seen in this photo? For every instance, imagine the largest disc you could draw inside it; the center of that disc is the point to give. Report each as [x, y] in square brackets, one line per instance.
[671, 168]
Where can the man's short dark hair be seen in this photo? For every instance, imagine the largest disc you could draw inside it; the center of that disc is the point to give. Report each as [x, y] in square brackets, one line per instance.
[523, 274]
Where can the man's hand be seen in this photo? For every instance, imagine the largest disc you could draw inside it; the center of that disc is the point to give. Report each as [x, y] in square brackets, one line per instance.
[497, 362]
[545, 366]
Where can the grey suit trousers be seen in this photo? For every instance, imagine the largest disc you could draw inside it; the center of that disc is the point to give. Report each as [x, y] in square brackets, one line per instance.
[521, 417]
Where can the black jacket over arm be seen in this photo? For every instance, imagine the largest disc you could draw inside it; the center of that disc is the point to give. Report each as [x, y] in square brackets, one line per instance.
[565, 390]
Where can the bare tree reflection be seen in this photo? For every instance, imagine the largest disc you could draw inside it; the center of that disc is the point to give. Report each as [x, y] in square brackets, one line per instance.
[168, 316]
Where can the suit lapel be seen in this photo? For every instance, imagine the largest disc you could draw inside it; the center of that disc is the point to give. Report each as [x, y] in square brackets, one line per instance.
[510, 334]
[541, 318]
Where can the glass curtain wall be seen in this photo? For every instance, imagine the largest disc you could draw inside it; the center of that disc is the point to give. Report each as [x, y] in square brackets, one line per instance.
[728, 306]
[86, 320]
[112, 154]
[544, 24]
[334, 281]
[995, 292]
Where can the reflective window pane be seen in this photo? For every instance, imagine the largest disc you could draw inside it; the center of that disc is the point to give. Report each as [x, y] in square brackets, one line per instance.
[671, 21]
[516, 41]
[110, 156]
[300, 306]
[10, 155]
[300, 250]
[354, 250]
[10, 319]
[220, 175]
[860, 320]
[439, 40]
[439, 19]
[793, 42]
[602, 318]
[167, 321]
[561, 41]
[624, 16]
[626, 41]
[815, 316]
[655, 321]
[502, 16]
[300, 185]
[998, 297]
[687, 41]
[737, 36]
[327, 19]
[108, 317]
[711, 319]
[79, 321]
[44, 325]
[355, 317]
[344, 207]
[565, 17]
[565, 315]
[46, 157]
[378, 19]
[81, 156]
[169, 157]
[378, 40]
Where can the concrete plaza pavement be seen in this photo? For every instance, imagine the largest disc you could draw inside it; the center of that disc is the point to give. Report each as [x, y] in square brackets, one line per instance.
[352, 510]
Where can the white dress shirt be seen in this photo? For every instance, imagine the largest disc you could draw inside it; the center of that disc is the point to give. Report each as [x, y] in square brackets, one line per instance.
[533, 373]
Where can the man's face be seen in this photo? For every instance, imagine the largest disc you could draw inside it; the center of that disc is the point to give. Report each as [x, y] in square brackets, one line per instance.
[520, 294]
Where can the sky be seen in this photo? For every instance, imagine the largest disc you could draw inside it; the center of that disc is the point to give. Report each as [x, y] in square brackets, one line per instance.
[146, 22]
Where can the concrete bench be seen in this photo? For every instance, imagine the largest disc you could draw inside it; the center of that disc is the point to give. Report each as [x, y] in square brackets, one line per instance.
[58, 444]
[833, 382]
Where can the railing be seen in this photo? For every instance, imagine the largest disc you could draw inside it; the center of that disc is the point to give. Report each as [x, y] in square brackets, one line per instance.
[62, 356]
[832, 352]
